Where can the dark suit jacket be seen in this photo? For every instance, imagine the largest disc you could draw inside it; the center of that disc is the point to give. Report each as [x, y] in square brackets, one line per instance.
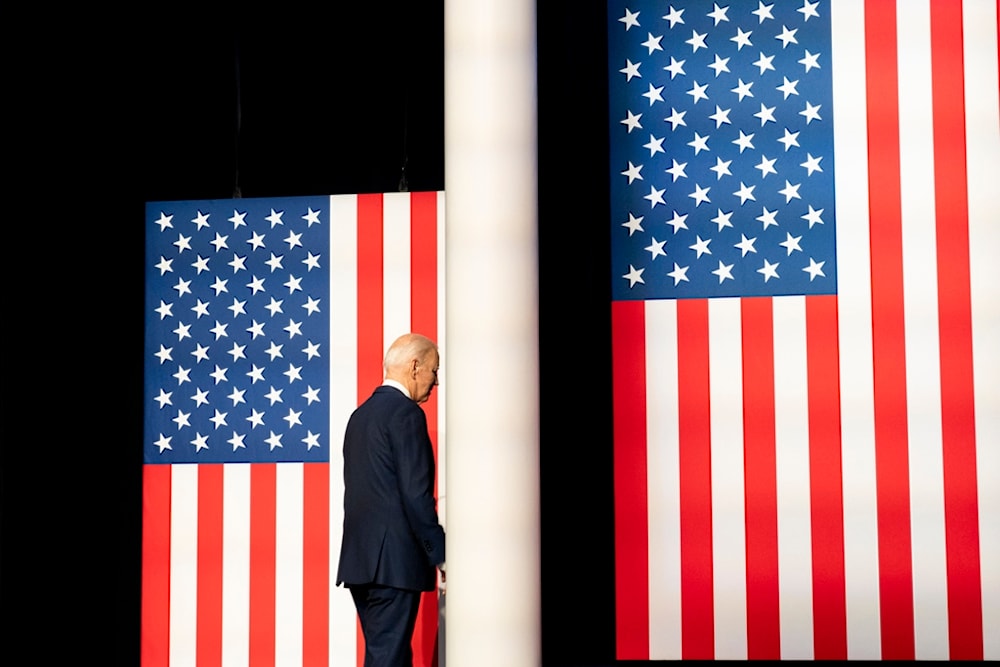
[392, 535]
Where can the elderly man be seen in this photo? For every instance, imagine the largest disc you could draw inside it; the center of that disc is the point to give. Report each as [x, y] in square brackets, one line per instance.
[392, 539]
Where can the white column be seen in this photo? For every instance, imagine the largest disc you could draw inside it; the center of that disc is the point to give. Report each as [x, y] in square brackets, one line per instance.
[491, 360]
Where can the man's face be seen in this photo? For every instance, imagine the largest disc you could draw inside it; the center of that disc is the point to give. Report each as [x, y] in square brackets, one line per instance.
[427, 377]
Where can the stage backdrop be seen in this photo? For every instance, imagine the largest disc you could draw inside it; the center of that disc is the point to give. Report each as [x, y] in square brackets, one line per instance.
[266, 324]
[805, 217]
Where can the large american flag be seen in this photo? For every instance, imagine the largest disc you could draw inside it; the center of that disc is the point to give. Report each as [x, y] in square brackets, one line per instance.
[266, 324]
[806, 328]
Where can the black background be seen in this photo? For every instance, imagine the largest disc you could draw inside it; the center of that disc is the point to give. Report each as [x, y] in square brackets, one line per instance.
[108, 110]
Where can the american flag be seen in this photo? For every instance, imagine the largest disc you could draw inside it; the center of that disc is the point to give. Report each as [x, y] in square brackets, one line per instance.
[266, 324]
[806, 328]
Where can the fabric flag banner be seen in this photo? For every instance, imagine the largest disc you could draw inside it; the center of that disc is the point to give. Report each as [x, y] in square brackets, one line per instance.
[806, 328]
[266, 324]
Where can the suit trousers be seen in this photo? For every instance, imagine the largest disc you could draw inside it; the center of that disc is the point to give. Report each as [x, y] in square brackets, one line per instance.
[388, 616]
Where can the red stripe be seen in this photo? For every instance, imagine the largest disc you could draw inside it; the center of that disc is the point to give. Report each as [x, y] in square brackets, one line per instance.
[888, 333]
[423, 314]
[263, 538]
[695, 461]
[316, 564]
[209, 606]
[826, 494]
[155, 642]
[760, 480]
[958, 419]
[628, 358]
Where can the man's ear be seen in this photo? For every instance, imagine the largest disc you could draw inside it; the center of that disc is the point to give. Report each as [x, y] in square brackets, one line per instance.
[414, 365]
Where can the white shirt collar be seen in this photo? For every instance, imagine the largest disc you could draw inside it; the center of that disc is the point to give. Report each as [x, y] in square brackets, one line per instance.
[393, 383]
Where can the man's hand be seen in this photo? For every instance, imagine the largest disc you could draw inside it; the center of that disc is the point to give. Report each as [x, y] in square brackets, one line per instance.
[441, 580]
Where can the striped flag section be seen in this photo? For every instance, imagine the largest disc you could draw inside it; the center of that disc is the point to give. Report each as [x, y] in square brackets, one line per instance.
[240, 558]
[815, 477]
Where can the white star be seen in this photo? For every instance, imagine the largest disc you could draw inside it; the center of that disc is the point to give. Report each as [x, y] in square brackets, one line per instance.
[720, 116]
[743, 89]
[678, 274]
[721, 168]
[219, 374]
[201, 308]
[256, 241]
[678, 222]
[720, 65]
[699, 195]
[293, 284]
[630, 70]
[275, 218]
[200, 442]
[697, 41]
[790, 139]
[275, 262]
[674, 16]
[274, 440]
[164, 221]
[675, 118]
[766, 166]
[746, 245]
[219, 285]
[219, 330]
[311, 440]
[765, 114]
[238, 219]
[311, 350]
[813, 217]
[237, 351]
[745, 193]
[718, 13]
[294, 328]
[293, 418]
[632, 121]
[634, 224]
[763, 11]
[744, 141]
[811, 112]
[788, 87]
[311, 395]
[814, 269]
[630, 19]
[201, 220]
[787, 37]
[237, 396]
[219, 419]
[256, 374]
[724, 271]
[722, 219]
[769, 270]
[701, 246]
[256, 285]
[655, 146]
[164, 265]
[655, 197]
[236, 441]
[764, 62]
[699, 143]
[790, 191]
[200, 353]
[311, 217]
[275, 306]
[256, 419]
[182, 375]
[200, 397]
[163, 443]
[256, 329]
[675, 67]
[238, 263]
[808, 9]
[742, 39]
[653, 43]
[164, 354]
[183, 331]
[810, 60]
[811, 164]
[791, 243]
[634, 276]
[311, 261]
[654, 94]
[237, 307]
[311, 305]
[181, 419]
[164, 398]
[183, 243]
[183, 287]
[633, 172]
[697, 92]
[274, 351]
[677, 170]
[768, 217]
[655, 249]
[274, 395]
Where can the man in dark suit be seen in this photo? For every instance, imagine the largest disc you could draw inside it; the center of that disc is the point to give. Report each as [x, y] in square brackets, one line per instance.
[392, 539]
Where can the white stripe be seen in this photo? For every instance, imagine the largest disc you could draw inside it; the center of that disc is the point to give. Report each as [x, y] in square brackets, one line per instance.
[791, 430]
[396, 266]
[923, 380]
[342, 401]
[288, 564]
[235, 564]
[982, 118]
[728, 513]
[854, 306]
[183, 564]
[442, 390]
[663, 481]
